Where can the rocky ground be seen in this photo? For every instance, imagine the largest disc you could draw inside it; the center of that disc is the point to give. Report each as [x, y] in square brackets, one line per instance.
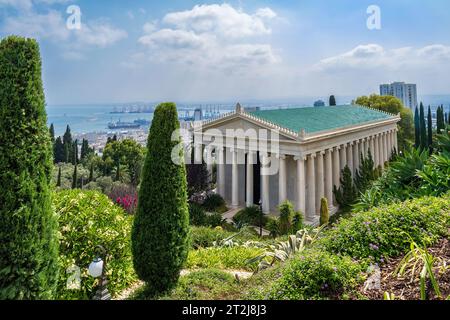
[407, 289]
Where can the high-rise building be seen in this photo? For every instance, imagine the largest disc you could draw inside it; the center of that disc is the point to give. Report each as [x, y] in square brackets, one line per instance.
[406, 92]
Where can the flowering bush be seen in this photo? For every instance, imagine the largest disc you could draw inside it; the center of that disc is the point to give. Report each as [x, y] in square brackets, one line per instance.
[88, 219]
[128, 203]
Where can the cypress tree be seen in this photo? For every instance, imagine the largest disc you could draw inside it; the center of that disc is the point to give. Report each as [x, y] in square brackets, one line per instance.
[160, 229]
[58, 181]
[417, 128]
[91, 173]
[430, 131]
[324, 212]
[75, 177]
[28, 228]
[75, 153]
[52, 133]
[332, 100]
[68, 145]
[366, 173]
[346, 195]
[423, 128]
[59, 152]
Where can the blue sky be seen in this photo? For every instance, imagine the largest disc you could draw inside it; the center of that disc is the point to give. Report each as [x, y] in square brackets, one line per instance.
[235, 50]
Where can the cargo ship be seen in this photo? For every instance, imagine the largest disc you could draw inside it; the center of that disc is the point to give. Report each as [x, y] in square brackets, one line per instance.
[123, 125]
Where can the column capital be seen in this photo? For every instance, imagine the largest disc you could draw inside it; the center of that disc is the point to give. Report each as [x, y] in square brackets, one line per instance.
[280, 156]
[312, 155]
[337, 148]
[322, 153]
[329, 151]
[300, 158]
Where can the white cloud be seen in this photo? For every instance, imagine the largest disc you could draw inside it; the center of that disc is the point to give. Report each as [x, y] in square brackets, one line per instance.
[374, 56]
[51, 25]
[99, 34]
[214, 36]
[222, 20]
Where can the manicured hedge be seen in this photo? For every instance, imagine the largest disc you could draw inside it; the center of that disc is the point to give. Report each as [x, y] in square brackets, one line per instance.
[88, 219]
[387, 231]
[28, 225]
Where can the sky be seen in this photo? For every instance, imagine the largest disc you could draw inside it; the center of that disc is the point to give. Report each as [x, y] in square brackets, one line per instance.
[191, 51]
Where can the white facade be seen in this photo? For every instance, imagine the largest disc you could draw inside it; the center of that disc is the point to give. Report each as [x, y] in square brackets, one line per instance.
[308, 165]
[407, 93]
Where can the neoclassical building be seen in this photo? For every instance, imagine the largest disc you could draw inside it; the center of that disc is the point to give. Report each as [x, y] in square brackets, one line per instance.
[267, 157]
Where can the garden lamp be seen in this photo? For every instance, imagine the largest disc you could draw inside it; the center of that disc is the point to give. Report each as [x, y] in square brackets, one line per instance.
[97, 269]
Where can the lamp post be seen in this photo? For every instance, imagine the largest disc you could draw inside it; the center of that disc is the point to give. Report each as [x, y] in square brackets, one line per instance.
[97, 269]
[261, 214]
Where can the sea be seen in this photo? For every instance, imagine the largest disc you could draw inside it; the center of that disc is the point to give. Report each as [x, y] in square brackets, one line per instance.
[94, 118]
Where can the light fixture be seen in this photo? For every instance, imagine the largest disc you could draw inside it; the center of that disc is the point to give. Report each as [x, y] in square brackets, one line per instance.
[96, 268]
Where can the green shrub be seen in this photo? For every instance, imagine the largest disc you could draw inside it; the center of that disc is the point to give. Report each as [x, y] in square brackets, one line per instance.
[160, 239]
[203, 237]
[223, 258]
[215, 203]
[28, 228]
[197, 215]
[316, 274]
[208, 284]
[88, 219]
[250, 216]
[214, 220]
[382, 232]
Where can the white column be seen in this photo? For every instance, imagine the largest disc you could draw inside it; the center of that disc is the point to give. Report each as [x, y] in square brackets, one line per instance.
[301, 184]
[221, 171]
[235, 180]
[209, 162]
[396, 140]
[198, 154]
[380, 150]
[356, 156]
[329, 176]
[265, 184]
[366, 147]
[350, 158]
[376, 152]
[343, 155]
[282, 193]
[249, 177]
[388, 144]
[372, 149]
[320, 186]
[311, 181]
[385, 149]
[336, 170]
[336, 167]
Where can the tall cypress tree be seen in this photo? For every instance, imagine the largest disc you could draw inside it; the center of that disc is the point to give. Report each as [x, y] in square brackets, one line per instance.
[68, 145]
[58, 181]
[160, 230]
[75, 177]
[423, 128]
[28, 228]
[417, 128]
[91, 173]
[52, 133]
[59, 152]
[430, 131]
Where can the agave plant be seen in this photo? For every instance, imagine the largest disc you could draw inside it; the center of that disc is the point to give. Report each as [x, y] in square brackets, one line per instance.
[419, 263]
[284, 250]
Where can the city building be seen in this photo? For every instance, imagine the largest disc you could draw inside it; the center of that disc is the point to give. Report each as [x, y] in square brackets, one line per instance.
[319, 103]
[407, 93]
[313, 146]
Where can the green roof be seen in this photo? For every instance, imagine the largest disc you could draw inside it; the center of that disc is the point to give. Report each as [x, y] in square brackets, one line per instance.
[321, 118]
